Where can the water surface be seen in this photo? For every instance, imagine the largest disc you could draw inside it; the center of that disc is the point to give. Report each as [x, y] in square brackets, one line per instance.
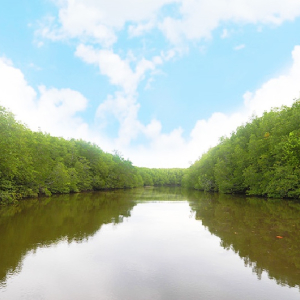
[152, 243]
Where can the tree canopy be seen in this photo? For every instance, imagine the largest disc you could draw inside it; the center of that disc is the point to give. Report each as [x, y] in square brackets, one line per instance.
[36, 163]
[261, 158]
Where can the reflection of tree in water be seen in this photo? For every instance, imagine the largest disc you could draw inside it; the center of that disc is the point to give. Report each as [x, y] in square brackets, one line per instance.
[72, 217]
[250, 226]
[162, 193]
[39, 223]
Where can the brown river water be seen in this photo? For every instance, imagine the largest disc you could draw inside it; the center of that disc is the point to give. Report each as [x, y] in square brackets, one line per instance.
[150, 243]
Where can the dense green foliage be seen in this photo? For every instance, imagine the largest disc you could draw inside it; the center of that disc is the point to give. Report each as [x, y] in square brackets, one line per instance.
[260, 158]
[161, 177]
[35, 163]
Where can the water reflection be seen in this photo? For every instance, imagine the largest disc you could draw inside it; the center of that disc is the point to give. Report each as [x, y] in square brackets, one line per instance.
[40, 223]
[162, 251]
[171, 193]
[253, 227]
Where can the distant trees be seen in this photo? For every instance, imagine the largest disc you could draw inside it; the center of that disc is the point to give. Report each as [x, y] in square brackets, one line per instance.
[260, 158]
[161, 177]
[35, 163]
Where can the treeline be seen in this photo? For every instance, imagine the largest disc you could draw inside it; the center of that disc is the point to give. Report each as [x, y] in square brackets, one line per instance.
[260, 158]
[160, 177]
[35, 163]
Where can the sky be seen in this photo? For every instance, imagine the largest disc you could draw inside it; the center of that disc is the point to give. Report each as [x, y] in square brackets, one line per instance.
[158, 80]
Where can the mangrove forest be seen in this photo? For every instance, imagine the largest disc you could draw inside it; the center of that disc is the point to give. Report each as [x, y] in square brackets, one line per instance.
[262, 158]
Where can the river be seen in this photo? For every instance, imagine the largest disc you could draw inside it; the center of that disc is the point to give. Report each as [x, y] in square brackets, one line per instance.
[150, 243]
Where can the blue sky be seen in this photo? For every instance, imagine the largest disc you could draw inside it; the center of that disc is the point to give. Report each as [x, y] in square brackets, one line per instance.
[161, 81]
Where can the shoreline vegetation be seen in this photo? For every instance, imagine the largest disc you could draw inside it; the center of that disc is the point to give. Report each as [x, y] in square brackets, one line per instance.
[261, 158]
[36, 164]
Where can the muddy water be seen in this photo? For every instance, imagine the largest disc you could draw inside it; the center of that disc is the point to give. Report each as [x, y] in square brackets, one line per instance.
[152, 243]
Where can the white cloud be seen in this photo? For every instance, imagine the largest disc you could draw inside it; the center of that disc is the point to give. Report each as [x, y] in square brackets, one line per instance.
[99, 20]
[239, 47]
[168, 55]
[52, 110]
[140, 29]
[171, 150]
[77, 20]
[117, 70]
[123, 104]
[225, 34]
[200, 18]
[35, 67]
[124, 108]
[277, 91]
[14, 91]
[56, 111]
